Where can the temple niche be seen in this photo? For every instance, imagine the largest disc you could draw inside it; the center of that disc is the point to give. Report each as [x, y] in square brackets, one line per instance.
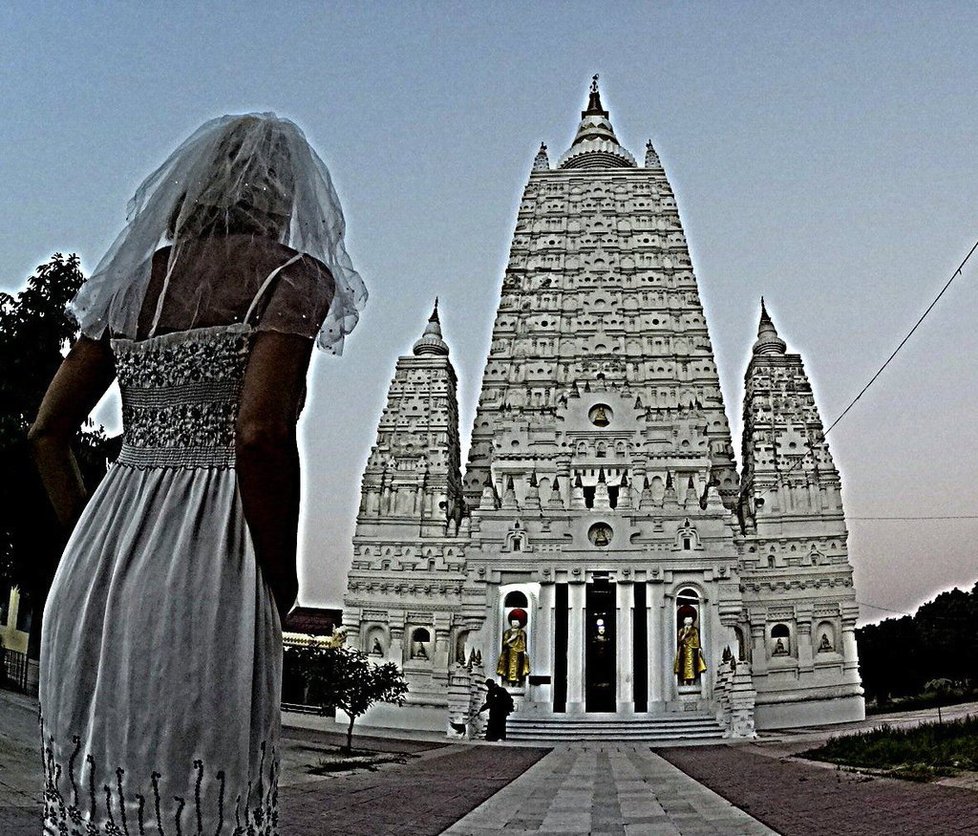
[513, 666]
[689, 664]
[603, 556]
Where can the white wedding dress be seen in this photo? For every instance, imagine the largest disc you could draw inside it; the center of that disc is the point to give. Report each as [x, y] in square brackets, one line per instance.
[161, 648]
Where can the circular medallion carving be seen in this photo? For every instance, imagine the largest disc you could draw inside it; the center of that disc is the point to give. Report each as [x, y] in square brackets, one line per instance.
[600, 535]
[600, 415]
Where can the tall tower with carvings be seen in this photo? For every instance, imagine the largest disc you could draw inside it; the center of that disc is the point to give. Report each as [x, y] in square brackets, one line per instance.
[796, 577]
[608, 562]
[405, 583]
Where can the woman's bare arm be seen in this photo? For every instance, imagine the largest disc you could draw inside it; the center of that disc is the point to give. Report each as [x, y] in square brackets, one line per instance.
[79, 383]
[267, 458]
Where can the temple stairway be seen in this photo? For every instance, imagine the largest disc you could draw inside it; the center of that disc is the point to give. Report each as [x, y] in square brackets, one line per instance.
[661, 729]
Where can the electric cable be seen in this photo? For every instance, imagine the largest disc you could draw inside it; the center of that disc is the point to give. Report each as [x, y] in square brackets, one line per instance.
[915, 519]
[881, 609]
[903, 342]
[889, 359]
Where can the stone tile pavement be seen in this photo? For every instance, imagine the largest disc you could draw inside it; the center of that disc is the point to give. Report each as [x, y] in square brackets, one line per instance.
[622, 789]
[20, 766]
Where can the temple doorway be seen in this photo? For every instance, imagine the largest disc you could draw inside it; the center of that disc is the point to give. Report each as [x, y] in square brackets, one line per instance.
[600, 658]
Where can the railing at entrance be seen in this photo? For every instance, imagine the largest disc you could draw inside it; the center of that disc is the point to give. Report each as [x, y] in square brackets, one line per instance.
[17, 672]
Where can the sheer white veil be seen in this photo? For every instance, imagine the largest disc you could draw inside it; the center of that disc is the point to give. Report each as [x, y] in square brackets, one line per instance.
[254, 177]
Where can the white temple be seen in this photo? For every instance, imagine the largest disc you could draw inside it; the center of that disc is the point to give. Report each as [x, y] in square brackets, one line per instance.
[601, 518]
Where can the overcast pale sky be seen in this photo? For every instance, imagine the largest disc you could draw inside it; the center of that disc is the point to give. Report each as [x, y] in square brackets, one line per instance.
[823, 155]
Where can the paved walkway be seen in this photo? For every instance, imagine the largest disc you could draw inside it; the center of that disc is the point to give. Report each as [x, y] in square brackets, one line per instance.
[20, 766]
[606, 789]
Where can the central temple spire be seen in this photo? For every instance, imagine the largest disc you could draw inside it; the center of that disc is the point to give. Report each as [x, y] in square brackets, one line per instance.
[595, 144]
[431, 341]
[594, 101]
[768, 341]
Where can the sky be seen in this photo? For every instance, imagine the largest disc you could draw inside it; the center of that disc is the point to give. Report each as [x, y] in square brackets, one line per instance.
[823, 156]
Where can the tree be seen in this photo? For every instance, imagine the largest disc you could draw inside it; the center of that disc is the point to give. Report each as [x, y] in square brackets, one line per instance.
[35, 334]
[898, 656]
[891, 659]
[344, 678]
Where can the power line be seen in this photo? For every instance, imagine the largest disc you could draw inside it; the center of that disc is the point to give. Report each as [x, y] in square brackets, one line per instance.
[852, 403]
[949, 517]
[903, 342]
[881, 609]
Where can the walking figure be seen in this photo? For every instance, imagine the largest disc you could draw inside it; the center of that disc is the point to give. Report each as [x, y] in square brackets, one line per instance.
[500, 706]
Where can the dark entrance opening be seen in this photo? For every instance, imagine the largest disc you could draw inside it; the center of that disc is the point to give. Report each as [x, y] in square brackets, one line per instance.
[600, 668]
[560, 647]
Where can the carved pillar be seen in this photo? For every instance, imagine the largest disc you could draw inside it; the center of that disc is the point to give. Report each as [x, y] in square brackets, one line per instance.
[575, 647]
[742, 700]
[541, 644]
[352, 629]
[625, 594]
[396, 651]
[658, 648]
[806, 659]
[850, 655]
[372, 501]
[759, 641]
[441, 657]
[459, 698]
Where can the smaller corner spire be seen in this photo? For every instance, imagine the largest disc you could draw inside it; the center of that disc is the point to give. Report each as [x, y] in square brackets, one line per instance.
[768, 341]
[651, 157]
[431, 342]
[541, 162]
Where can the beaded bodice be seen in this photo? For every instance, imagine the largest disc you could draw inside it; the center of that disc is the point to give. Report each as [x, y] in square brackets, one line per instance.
[180, 395]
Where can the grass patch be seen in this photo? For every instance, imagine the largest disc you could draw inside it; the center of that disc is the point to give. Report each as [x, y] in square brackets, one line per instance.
[925, 699]
[921, 753]
[336, 760]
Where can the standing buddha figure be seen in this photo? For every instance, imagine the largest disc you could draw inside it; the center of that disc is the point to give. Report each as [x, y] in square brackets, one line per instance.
[514, 662]
[689, 662]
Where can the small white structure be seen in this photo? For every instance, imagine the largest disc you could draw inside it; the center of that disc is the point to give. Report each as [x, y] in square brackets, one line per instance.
[601, 500]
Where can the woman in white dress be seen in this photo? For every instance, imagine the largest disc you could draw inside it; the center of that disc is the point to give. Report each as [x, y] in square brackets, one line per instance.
[161, 644]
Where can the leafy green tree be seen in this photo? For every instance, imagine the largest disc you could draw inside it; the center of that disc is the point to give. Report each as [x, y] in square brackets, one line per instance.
[35, 334]
[344, 678]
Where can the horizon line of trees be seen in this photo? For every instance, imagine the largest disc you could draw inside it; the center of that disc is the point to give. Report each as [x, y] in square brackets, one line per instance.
[900, 657]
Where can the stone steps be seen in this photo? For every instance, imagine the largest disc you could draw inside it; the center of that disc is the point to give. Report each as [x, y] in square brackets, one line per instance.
[566, 729]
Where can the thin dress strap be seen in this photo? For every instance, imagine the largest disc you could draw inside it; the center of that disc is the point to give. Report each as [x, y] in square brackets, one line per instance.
[159, 299]
[265, 284]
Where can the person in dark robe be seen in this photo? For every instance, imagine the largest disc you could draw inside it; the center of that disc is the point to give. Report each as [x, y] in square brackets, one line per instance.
[500, 706]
